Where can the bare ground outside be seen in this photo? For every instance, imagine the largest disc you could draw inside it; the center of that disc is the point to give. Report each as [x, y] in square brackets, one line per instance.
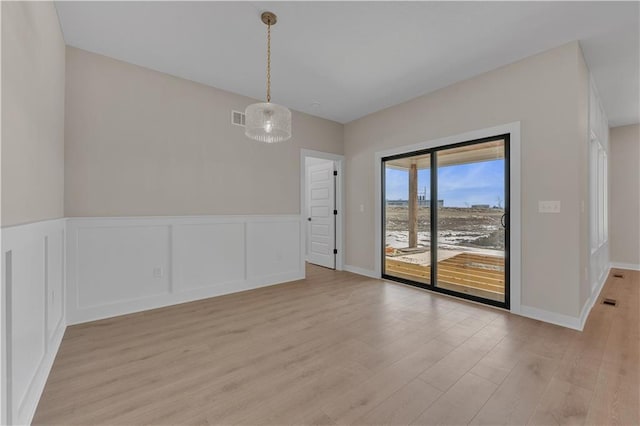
[458, 227]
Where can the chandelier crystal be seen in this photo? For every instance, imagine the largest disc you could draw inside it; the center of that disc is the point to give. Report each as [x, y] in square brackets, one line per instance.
[265, 121]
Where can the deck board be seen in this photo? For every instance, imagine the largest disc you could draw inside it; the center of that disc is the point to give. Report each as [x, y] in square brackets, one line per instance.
[472, 273]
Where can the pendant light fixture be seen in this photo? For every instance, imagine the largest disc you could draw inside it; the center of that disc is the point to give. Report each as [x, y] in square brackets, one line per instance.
[266, 121]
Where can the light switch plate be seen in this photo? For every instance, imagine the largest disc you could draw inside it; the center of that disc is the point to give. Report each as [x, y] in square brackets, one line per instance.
[548, 206]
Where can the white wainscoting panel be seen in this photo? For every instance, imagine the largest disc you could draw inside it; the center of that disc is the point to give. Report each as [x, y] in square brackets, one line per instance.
[123, 265]
[208, 255]
[55, 280]
[28, 310]
[273, 250]
[33, 307]
[118, 264]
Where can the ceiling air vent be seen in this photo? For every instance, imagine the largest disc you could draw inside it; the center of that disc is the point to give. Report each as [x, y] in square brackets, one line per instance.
[237, 118]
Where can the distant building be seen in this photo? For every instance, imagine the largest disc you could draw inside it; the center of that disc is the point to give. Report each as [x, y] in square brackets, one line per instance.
[480, 206]
[421, 202]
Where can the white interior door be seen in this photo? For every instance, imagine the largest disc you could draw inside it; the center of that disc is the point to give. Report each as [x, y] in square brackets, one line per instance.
[320, 214]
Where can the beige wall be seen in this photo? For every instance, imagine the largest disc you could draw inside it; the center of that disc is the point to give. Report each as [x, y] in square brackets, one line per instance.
[139, 142]
[624, 211]
[33, 69]
[547, 93]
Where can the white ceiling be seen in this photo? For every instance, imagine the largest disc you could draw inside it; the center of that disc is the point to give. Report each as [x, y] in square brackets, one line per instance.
[343, 60]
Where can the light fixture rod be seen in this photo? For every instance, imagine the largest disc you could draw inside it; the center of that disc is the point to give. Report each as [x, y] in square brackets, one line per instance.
[269, 62]
[269, 19]
[265, 121]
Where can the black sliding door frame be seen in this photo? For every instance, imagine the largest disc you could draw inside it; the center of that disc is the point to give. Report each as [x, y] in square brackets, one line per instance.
[433, 152]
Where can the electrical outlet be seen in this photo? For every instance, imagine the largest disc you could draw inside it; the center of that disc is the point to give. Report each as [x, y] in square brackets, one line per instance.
[157, 272]
[548, 206]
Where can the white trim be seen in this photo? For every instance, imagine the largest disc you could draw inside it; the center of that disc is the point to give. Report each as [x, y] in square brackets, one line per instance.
[248, 270]
[139, 305]
[551, 317]
[515, 201]
[5, 341]
[595, 295]
[174, 220]
[33, 237]
[576, 323]
[340, 201]
[629, 266]
[38, 383]
[361, 271]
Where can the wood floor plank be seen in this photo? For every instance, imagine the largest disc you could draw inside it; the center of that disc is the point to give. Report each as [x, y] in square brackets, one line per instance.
[404, 406]
[615, 401]
[338, 348]
[458, 362]
[346, 408]
[460, 403]
[562, 404]
[516, 398]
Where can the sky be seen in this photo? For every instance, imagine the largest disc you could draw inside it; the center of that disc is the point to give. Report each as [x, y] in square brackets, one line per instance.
[459, 186]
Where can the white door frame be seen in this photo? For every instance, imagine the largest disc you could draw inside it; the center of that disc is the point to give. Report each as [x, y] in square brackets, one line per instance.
[339, 162]
[515, 248]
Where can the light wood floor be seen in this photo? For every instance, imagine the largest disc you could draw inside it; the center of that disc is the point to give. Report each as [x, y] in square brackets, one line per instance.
[339, 348]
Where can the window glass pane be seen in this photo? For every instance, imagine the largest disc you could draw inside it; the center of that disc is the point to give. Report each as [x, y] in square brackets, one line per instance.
[471, 220]
[407, 231]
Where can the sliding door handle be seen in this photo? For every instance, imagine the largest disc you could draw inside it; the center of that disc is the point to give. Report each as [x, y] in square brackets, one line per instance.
[503, 220]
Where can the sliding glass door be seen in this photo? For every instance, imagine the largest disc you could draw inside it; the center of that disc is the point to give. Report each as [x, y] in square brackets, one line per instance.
[446, 219]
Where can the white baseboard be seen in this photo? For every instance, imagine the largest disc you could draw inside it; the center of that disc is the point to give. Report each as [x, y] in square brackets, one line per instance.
[550, 317]
[80, 316]
[629, 266]
[118, 266]
[361, 271]
[526, 311]
[595, 295]
[576, 323]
